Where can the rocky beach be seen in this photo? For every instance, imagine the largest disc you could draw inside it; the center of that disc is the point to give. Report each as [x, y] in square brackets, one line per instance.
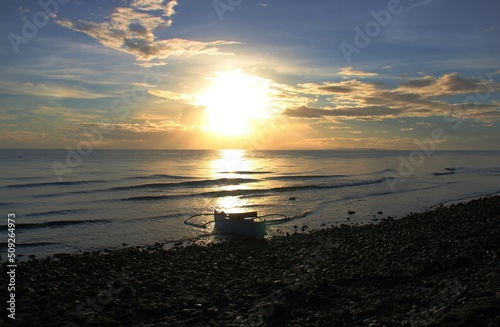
[437, 268]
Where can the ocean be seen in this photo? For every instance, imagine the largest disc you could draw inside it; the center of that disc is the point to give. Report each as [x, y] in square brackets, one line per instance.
[71, 202]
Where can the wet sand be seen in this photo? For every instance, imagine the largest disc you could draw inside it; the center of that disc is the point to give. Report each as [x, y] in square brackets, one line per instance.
[438, 268]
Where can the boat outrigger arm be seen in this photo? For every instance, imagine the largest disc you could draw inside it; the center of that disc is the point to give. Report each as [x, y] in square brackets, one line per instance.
[245, 223]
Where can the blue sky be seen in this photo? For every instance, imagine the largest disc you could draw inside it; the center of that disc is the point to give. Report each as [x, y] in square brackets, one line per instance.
[326, 74]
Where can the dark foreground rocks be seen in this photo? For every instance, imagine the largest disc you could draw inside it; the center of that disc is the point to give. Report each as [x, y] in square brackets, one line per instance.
[439, 268]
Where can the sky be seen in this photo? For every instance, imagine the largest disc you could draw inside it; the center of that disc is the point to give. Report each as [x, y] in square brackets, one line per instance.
[266, 74]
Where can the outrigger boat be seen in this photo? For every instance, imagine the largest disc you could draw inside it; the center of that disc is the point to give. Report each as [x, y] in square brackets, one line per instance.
[244, 223]
[240, 223]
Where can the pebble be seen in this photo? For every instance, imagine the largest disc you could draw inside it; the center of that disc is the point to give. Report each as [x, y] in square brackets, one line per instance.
[390, 273]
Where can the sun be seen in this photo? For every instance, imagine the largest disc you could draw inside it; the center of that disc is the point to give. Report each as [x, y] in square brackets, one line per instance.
[233, 101]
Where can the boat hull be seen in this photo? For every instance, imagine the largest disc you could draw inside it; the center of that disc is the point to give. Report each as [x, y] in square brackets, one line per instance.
[247, 227]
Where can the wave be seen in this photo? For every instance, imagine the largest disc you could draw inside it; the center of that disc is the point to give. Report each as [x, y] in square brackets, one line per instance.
[382, 193]
[162, 217]
[200, 183]
[443, 173]
[2, 244]
[57, 223]
[56, 212]
[22, 178]
[193, 184]
[489, 170]
[289, 188]
[159, 176]
[294, 177]
[54, 184]
[247, 192]
[151, 197]
[245, 172]
[447, 171]
[50, 195]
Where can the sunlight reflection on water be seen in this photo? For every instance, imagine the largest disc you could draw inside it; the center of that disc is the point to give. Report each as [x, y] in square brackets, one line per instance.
[231, 164]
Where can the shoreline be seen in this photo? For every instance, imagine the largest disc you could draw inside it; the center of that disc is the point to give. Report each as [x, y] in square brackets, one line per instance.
[435, 268]
[367, 219]
[465, 200]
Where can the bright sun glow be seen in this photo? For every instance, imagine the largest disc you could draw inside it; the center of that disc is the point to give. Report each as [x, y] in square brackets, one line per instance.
[233, 101]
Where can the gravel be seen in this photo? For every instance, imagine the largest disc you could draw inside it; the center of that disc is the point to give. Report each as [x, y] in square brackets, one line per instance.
[438, 268]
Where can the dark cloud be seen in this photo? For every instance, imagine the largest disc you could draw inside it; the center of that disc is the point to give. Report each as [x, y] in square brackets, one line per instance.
[418, 83]
[489, 113]
[454, 83]
[354, 98]
[305, 112]
[336, 89]
[365, 112]
[448, 84]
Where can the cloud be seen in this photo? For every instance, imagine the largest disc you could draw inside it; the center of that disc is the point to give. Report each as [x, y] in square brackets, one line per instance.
[360, 112]
[490, 29]
[490, 113]
[67, 114]
[151, 134]
[336, 89]
[49, 90]
[132, 30]
[353, 143]
[21, 139]
[159, 134]
[348, 71]
[168, 94]
[155, 5]
[343, 87]
[148, 64]
[149, 126]
[419, 83]
[449, 84]
[414, 98]
[305, 112]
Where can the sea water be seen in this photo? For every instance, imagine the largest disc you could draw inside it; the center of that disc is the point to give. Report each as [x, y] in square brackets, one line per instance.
[107, 198]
